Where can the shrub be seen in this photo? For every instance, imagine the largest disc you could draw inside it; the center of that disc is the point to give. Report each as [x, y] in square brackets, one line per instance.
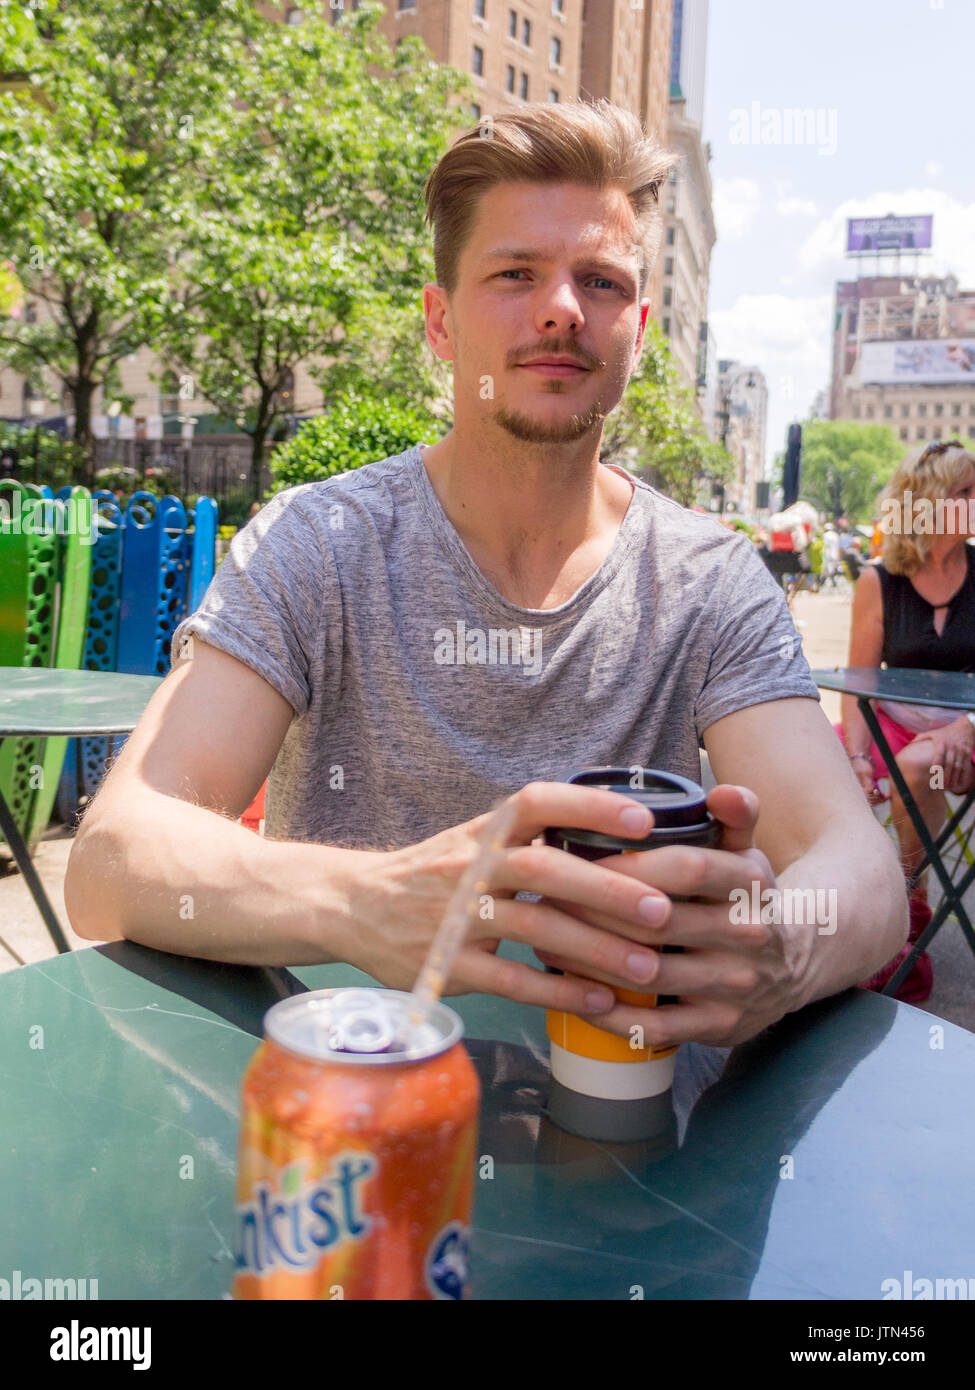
[59, 461]
[356, 431]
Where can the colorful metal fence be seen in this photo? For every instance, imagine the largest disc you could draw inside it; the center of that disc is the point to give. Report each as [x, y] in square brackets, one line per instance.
[83, 585]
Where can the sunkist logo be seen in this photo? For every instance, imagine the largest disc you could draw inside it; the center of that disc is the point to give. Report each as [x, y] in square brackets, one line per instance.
[291, 1228]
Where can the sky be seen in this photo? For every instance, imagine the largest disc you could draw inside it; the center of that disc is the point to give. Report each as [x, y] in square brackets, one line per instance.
[890, 82]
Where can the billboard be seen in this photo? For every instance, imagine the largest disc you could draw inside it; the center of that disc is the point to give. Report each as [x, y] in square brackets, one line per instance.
[888, 233]
[933, 362]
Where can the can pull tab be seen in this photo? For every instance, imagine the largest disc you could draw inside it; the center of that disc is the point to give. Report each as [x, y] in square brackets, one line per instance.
[359, 1024]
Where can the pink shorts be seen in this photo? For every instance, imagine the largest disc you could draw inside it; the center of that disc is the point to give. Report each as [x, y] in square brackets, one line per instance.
[896, 735]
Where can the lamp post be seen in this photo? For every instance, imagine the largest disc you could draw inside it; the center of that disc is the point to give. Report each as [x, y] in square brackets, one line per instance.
[113, 411]
[187, 426]
[35, 407]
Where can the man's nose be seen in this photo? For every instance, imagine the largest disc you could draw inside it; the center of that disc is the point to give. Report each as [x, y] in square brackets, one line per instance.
[559, 306]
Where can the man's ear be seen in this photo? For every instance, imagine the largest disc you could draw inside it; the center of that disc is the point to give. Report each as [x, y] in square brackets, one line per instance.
[436, 307]
[638, 349]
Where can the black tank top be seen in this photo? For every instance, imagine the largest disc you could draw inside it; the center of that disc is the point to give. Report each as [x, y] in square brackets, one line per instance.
[909, 635]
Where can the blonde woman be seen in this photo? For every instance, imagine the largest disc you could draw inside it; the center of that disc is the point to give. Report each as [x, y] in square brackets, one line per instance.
[915, 607]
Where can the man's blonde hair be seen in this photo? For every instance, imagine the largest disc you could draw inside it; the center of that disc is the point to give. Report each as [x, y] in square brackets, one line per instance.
[595, 144]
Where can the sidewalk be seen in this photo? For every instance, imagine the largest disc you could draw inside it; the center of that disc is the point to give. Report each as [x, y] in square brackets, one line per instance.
[825, 622]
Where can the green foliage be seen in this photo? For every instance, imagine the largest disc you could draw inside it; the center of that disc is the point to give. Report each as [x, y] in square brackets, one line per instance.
[58, 460]
[656, 430]
[845, 465]
[356, 431]
[305, 244]
[96, 176]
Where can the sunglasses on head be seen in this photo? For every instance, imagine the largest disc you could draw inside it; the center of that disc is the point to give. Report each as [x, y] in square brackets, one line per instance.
[933, 450]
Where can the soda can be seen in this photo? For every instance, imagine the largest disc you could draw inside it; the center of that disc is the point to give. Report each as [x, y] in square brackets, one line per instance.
[357, 1150]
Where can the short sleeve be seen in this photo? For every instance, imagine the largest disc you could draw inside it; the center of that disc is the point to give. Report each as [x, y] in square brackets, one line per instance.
[261, 605]
[756, 652]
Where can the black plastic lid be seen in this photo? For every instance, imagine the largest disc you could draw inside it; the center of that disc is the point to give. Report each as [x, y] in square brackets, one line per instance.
[679, 806]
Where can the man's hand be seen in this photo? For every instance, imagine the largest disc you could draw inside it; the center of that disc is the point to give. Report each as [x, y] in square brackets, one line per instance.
[397, 906]
[732, 979]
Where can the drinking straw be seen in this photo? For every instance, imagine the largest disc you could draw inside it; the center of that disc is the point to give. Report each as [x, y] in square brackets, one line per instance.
[473, 882]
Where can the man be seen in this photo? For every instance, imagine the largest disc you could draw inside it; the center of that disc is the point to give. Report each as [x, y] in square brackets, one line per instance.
[831, 555]
[402, 645]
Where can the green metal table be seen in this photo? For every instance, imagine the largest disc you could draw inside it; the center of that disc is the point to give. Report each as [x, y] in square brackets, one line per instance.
[790, 1168]
[38, 702]
[906, 686]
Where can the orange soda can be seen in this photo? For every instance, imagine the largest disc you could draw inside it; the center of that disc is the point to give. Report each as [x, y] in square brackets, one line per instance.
[356, 1154]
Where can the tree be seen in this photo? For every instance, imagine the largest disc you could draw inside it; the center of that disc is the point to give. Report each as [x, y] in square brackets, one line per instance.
[96, 180]
[305, 242]
[845, 465]
[656, 430]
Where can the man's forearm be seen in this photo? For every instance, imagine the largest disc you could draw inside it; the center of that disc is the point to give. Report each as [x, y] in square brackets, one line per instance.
[860, 910]
[185, 879]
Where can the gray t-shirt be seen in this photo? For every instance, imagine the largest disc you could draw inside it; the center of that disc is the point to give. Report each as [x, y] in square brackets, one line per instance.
[421, 695]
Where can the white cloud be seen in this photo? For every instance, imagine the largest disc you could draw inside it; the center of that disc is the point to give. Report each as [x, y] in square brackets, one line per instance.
[736, 204]
[822, 253]
[788, 338]
[933, 169]
[794, 206]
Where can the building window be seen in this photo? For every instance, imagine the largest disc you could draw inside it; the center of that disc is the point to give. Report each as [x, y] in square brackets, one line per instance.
[667, 327]
[937, 432]
[888, 412]
[956, 410]
[668, 297]
[477, 111]
[669, 266]
[904, 433]
[509, 78]
[905, 412]
[512, 25]
[403, 5]
[30, 312]
[922, 410]
[478, 61]
[672, 176]
[869, 412]
[294, 16]
[479, 8]
[971, 409]
[555, 53]
[552, 94]
[939, 409]
[671, 234]
[558, 7]
[672, 206]
[920, 435]
[526, 32]
[523, 87]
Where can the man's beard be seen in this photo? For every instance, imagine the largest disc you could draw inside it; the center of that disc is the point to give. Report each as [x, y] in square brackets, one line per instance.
[532, 431]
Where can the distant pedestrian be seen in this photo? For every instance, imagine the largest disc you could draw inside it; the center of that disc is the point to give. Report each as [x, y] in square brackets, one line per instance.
[831, 555]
